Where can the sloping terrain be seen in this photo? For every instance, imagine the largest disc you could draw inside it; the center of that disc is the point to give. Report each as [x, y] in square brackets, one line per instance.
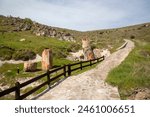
[22, 39]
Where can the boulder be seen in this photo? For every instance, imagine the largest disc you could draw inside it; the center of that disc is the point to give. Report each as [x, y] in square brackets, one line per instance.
[26, 27]
[105, 52]
[97, 53]
[46, 59]
[30, 66]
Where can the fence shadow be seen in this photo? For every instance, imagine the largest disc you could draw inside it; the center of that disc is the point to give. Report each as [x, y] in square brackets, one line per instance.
[48, 89]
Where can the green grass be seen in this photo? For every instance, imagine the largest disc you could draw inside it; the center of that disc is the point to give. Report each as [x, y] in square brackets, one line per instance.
[134, 72]
[9, 71]
[10, 75]
[34, 43]
[84, 70]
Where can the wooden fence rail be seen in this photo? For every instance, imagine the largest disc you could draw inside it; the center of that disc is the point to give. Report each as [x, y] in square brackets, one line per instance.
[66, 69]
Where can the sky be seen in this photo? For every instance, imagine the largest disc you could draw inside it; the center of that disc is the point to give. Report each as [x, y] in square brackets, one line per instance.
[82, 15]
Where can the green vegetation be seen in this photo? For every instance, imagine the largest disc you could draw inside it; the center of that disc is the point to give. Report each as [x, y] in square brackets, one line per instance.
[10, 75]
[131, 74]
[134, 72]
[32, 44]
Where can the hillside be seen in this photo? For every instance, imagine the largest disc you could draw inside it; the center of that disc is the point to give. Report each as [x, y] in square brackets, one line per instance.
[18, 35]
[22, 39]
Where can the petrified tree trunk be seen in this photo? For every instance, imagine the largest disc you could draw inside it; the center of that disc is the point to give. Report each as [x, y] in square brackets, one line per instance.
[46, 59]
[30, 66]
[87, 50]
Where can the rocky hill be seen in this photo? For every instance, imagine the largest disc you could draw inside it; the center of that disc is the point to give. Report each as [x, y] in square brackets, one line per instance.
[16, 24]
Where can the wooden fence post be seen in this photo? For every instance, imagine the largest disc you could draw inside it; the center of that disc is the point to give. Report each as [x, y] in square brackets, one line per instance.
[48, 78]
[103, 57]
[18, 70]
[90, 62]
[69, 69]
[97, 60]
[81, 65]
[64, 70]
[17, 92]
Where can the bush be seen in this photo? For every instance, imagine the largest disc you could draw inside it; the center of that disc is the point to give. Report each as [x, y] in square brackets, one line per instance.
[73, 47]
[59, 54]
[132, 37]
[27, 21]
[6, 53]
[23, 55]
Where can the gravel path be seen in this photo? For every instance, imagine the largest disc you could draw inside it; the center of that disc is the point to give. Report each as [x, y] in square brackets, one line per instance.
[91, 85]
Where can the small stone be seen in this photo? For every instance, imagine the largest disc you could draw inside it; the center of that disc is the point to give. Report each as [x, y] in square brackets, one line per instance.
[23, 39]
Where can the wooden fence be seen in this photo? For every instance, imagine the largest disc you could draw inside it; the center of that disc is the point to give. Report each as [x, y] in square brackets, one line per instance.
[66, 71]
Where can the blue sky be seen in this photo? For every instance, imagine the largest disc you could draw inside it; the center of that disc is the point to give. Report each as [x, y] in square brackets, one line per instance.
[80, 15]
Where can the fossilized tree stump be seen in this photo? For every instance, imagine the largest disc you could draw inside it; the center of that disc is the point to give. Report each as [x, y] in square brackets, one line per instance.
[30, 66]
[47, 59]
[87, 50]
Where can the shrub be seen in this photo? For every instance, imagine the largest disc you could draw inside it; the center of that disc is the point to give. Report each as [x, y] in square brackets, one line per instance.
[73, 47]
[59, 54]
[6, 53]
[132, 37]
[27, 21]
[23, 55]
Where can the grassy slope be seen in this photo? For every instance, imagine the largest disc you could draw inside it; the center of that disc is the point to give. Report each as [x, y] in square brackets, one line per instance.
[133, 73]
[32, 42]
[8, 72]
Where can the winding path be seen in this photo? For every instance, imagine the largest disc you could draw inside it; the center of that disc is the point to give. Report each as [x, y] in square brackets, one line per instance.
[91, 85]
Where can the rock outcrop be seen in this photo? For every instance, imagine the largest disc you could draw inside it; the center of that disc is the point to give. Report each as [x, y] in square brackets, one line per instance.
[26, 24]
[43, 30]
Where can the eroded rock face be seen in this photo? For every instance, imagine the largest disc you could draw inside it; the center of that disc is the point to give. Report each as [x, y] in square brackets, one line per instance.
[46, 59]
[30, 66]
[87, 50]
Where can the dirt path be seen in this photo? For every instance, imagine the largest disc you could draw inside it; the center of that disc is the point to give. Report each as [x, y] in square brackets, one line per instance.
[91, 84]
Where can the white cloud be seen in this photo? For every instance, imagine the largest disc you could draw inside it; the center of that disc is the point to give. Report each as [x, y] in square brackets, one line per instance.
[79, 14]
